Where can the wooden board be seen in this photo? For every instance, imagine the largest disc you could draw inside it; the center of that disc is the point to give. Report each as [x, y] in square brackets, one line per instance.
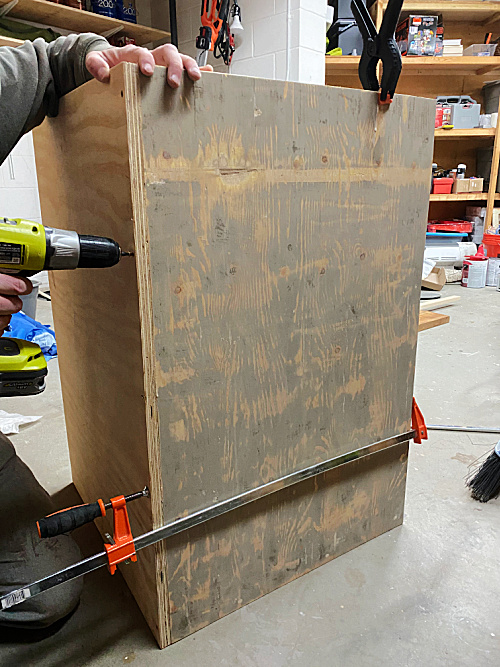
[278, 233]
[78, 20]
[97, 317]
[429, 320]
[442, 302]
[10, 41]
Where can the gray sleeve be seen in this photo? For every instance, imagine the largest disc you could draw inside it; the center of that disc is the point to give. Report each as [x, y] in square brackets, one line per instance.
[34, 76]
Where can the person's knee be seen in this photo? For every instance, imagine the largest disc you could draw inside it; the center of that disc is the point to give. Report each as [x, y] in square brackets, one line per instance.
[43, 558]
[56, 603]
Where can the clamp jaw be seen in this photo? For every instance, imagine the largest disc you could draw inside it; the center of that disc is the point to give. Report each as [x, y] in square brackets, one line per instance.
[418, 423]
[122, 546]
[379, 46]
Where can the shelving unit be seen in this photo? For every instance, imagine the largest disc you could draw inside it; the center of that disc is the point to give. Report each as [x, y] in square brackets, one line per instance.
[474, 133]
[77, 20]
[469, 11]
[434, 76]
[420, 65]
[465, 196]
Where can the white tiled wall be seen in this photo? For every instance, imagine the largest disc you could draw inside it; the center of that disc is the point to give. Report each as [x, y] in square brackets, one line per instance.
[18, 183]
[282, 38]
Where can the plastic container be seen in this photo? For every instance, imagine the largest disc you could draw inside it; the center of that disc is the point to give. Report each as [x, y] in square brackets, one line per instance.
[475, 269]
[438, 226]
[480, 50]
[491, 243]
[465, 111]
[442, 186]
[491, 92]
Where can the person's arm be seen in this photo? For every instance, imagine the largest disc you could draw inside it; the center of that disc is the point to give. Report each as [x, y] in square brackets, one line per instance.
[34, 76]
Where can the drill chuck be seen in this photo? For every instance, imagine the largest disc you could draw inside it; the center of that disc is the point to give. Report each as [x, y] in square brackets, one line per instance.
[69, 250]
[98, 252]
[28, 247]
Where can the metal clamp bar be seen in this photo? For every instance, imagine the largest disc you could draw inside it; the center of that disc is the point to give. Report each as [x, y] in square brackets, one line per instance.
[201, 516]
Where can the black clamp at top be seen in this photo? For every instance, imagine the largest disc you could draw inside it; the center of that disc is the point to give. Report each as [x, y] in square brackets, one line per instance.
[379, 46]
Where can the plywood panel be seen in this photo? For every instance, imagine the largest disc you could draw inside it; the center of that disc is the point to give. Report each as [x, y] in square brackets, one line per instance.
[267, 321]
[84, 175]
[273, 211]
[266, 237]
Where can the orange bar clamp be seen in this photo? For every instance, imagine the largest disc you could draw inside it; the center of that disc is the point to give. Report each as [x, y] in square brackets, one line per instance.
[123, 547]
[418, 423]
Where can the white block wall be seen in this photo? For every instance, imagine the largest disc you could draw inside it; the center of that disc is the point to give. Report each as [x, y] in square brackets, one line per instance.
[283, 39]
[18, 183]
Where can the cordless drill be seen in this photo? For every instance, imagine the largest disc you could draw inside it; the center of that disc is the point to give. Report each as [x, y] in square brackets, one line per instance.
[25, 249]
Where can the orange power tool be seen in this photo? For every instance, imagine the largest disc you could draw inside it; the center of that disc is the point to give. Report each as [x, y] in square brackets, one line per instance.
[214, 32]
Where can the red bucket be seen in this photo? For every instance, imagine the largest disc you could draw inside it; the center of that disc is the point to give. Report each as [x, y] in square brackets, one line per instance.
[492, 244]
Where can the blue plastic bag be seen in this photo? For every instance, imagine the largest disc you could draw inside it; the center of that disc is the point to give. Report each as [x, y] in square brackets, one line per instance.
[22, 326]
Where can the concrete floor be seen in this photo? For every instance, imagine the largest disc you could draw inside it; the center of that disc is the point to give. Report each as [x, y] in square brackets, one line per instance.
[426, 593]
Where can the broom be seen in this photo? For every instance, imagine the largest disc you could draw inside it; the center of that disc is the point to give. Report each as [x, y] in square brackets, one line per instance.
[485, 483]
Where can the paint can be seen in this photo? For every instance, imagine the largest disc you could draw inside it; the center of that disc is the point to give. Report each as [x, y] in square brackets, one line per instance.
[474, 271]
[493, 272]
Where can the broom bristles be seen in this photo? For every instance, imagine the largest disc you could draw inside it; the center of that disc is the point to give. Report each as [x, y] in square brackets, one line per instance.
[485, 484]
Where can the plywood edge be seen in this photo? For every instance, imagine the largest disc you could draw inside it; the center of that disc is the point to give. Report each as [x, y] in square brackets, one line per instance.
[141, 234]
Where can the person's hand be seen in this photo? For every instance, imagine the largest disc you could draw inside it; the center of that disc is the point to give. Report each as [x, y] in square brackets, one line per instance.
[11, 287]
[99, 63]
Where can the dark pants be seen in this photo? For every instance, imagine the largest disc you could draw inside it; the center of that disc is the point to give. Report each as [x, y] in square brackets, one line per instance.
[24, 557]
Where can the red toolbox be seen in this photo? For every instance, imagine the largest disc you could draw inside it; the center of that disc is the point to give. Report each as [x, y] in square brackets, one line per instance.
[442, 186]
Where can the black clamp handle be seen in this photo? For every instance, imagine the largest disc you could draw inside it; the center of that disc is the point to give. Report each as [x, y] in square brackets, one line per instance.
[379, 46]
[67, 520]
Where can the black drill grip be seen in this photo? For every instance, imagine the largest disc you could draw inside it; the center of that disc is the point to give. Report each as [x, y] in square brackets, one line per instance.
[67, 520]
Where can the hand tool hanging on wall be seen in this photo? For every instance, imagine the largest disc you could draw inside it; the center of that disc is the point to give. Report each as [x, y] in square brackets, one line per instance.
[126, 546]
[214, 34]
[379, 46]
[26, 248]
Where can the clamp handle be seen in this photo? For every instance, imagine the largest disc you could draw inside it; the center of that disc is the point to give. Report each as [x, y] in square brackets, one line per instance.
[67, 520]
[123, 548]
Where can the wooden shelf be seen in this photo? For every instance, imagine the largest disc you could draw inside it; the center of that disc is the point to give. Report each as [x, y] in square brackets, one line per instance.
[418, 65]
[77, 20]
[465, 196]
[9, 41]
[470, 11]
[474, 133]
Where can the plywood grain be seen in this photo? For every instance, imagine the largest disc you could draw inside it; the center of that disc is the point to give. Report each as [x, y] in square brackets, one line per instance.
[285, 259]
[267, 322]
[84, 175]
[287, 226]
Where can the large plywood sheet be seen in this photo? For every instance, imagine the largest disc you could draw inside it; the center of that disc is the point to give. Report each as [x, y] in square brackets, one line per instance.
[269, 318]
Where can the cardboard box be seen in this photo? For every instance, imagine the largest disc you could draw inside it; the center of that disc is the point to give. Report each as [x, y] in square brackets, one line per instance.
[435, 280]
[416, 35]
[476, 184]
[461, 185]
